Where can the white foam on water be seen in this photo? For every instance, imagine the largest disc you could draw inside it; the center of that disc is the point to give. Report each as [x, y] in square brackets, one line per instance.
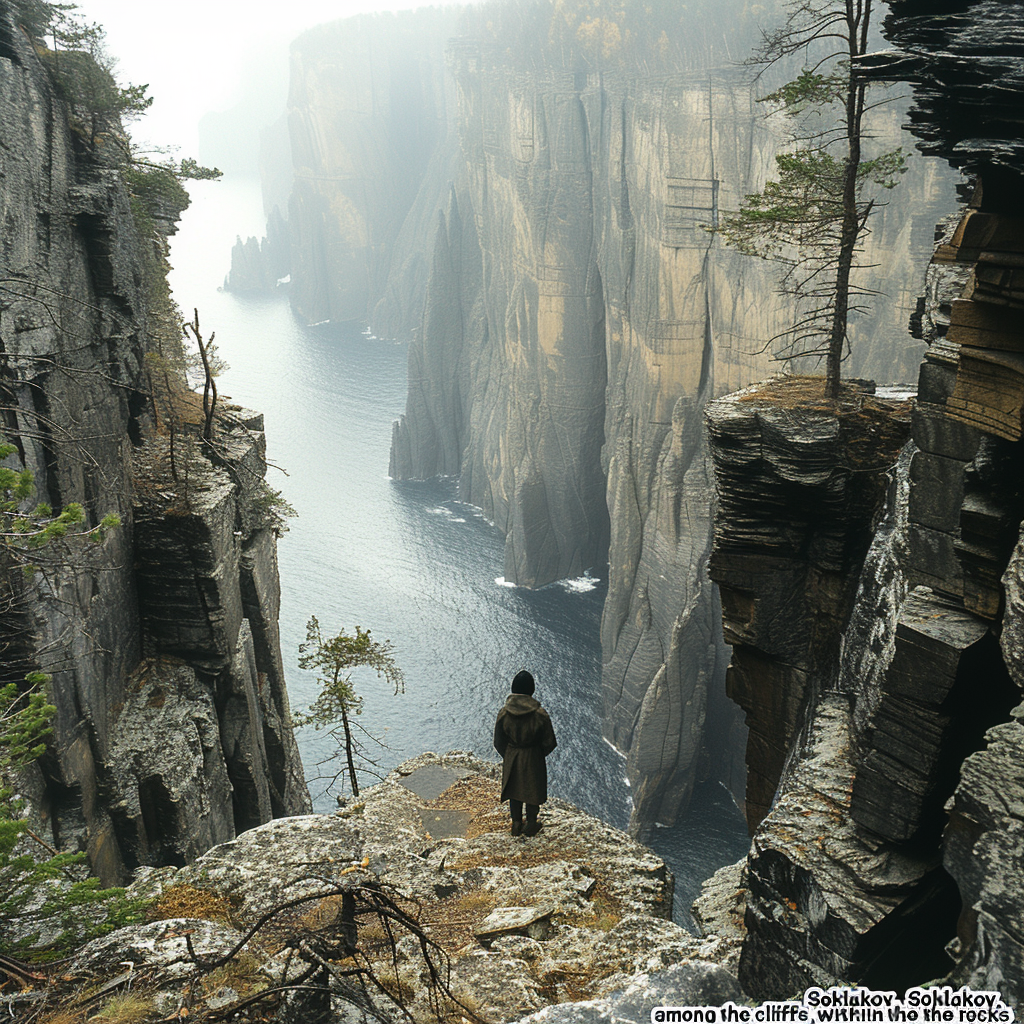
[617, 751]
[502, 582]
[580, 585]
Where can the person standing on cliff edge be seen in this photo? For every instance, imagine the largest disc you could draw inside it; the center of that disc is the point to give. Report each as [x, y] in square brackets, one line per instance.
[524, 737]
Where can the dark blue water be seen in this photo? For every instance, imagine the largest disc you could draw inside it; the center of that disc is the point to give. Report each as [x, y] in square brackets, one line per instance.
[407, 560]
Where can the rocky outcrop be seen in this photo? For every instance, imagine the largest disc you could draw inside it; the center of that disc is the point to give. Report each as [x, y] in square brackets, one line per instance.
[800, 491]
[916, 760]
[569, 313]
[261, 266]
[565, 924]
[172, 728]
[826, 901]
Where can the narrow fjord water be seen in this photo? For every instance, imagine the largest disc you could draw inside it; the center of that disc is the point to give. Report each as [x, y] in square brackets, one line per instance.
[407, 560]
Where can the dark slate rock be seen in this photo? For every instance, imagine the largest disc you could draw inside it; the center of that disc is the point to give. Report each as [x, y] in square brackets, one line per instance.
[935, 382]
[937, 433]
[937, 490]
[432, 780]
[795, 517]
[945, 685]
[964, 58]
[932, 561]
[826, 902]
[984, 852]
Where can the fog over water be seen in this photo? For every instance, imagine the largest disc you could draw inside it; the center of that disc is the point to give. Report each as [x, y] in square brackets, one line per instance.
[407, 560]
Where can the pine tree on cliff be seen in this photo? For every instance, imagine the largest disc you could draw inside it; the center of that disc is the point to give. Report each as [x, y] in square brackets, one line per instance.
[813, 218]
[333, 658]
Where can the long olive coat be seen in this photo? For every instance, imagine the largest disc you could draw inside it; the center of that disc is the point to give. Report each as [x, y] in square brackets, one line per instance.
[524, 737]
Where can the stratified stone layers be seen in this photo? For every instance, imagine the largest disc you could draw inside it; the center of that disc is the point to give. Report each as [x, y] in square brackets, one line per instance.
[800, 491]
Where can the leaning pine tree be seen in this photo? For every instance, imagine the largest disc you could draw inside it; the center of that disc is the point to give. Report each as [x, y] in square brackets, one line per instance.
[813, 218]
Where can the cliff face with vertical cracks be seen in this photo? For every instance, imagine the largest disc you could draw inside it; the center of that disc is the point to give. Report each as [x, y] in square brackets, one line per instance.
[574, 315]
[888, 832]
[172, 729]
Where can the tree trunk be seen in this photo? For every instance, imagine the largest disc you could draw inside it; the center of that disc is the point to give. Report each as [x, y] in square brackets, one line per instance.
[349, 752]
[858, 16]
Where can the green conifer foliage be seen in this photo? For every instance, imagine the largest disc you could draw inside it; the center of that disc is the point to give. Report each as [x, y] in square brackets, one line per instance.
[813, 218]
[48, 904]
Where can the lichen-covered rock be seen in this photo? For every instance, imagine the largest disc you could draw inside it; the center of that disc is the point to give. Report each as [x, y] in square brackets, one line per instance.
[285, 859]
[590, 916]
[171, 794]
[720, 910]
[686, 984]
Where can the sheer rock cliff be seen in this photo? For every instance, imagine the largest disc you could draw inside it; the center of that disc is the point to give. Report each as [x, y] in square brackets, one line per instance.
[172, 728]
[569, 313]
[887, 817]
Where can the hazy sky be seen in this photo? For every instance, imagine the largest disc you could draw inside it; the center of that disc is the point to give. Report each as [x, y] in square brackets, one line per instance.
[193, 53]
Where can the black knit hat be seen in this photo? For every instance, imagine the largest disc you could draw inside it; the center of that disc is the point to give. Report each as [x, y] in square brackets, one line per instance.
[523, 683]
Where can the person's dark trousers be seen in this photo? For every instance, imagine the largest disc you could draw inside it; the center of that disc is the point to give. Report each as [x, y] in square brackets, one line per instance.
[515, 808]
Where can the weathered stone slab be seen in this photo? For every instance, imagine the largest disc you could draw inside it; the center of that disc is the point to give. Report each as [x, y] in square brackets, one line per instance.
[932, 561]
[935, 382]
[826, 902]
[939, 434]
[531, 921]
[187, 570]
[800, 485]
[945, 684]
[285, 859]
[430, 781]
[984, 852]
[444, 824]
[170, 794]
[687, 984]
[936, 491]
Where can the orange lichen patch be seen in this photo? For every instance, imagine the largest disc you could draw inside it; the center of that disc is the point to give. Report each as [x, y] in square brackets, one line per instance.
[189, 901]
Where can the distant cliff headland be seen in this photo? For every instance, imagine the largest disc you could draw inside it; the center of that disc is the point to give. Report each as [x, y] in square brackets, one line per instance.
[524, 191]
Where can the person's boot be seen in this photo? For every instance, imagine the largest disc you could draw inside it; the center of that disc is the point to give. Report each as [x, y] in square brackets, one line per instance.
[532, 828]
[517, 827]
